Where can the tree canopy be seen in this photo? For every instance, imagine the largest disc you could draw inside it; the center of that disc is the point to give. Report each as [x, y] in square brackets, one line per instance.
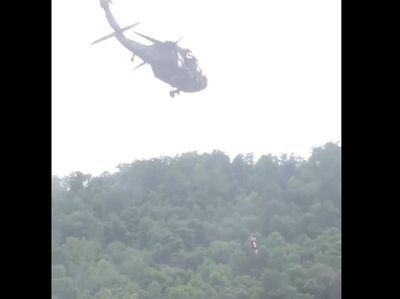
[179, 228]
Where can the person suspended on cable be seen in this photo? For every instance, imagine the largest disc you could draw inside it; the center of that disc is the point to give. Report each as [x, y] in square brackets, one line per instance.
[253, 245]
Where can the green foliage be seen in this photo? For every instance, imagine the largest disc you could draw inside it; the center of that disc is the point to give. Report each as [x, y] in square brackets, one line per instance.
[179, 228]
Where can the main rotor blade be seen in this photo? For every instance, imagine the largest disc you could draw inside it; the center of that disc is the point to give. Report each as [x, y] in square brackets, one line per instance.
[179, 40]
[148, 38]
[138, 66]
[113, 34]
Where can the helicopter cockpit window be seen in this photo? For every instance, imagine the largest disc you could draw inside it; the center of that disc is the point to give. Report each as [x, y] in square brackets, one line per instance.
[192, 62]
[186, 58]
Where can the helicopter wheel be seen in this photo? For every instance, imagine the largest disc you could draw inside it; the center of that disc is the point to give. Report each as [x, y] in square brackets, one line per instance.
[172, 93]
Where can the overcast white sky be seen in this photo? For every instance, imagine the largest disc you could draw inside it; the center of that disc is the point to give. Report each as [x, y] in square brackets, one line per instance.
[273, 69]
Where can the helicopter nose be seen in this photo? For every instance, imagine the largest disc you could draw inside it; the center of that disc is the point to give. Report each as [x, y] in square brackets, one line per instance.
[204, 81]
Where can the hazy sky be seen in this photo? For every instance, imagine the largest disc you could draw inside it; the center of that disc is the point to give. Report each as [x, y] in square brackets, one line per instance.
[273, 69]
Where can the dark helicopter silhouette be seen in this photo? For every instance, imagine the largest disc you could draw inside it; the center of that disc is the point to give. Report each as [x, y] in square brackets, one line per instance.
[170, 63]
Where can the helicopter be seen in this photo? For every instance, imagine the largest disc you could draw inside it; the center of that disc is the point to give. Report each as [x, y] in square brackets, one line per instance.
[170, 63]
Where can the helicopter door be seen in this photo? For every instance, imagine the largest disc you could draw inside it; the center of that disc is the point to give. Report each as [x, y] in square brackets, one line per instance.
[180, 60]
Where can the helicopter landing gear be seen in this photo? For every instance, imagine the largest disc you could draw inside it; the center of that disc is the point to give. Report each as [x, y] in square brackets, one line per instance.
[173, 92]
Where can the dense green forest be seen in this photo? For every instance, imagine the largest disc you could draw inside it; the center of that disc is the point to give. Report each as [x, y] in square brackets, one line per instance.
[179, 228]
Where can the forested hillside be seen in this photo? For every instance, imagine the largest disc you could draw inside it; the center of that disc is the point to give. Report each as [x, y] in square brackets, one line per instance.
[179, 228]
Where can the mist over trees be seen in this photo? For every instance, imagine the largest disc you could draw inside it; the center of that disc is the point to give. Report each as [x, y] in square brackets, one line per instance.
[179, 228]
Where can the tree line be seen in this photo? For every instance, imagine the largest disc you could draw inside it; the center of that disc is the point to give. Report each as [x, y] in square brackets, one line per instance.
[179, 228]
